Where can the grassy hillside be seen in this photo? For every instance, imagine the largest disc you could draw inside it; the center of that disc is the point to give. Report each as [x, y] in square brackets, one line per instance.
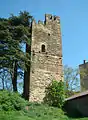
[13, 107]
[36, 112]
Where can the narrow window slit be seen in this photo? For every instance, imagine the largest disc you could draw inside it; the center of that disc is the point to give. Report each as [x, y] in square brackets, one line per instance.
[43, 48]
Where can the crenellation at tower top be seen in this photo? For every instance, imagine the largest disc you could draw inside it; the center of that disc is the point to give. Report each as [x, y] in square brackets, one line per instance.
[48, 18]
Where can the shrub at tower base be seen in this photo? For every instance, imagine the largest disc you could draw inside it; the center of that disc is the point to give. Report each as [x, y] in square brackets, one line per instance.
[55, 94]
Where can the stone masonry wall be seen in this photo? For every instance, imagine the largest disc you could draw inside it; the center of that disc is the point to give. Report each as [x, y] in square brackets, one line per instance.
[83, 76]
[45, 65]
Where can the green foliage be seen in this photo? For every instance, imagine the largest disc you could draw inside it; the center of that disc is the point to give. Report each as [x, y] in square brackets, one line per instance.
[13, 115]
[11, 101]
[55, 94]
[36, 112]
[24, 18]
[45, 112]
[14, 31]
[11, 36]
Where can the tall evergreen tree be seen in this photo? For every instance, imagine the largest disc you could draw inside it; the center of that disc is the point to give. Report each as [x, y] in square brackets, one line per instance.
[13, 32]
[24, 20]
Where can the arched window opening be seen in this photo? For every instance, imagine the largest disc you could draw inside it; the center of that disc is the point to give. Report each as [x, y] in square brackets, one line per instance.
[43, 48]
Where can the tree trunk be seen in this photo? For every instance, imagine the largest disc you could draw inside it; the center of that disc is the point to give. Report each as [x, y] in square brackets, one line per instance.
[26, 87]
[3, 79]
[14, 77]
[3, 83]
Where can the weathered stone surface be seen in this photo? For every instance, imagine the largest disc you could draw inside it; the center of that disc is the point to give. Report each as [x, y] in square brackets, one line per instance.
[83, 76]
[45, 66]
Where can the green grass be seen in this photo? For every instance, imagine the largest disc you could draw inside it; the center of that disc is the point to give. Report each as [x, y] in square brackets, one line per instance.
[36, 112]
[13, 115]
[81, 119]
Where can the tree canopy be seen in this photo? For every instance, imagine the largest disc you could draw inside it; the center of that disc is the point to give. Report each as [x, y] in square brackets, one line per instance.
[14, 31]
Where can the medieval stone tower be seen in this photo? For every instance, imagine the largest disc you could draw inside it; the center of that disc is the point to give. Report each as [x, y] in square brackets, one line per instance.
[46, 55]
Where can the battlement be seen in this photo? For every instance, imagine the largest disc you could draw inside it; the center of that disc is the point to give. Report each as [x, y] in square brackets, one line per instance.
[37, 23]
[50, 17]
[40, 22]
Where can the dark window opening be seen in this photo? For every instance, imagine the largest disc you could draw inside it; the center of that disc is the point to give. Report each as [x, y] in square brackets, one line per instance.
[48, 34]
[54, 18]
[43, 48]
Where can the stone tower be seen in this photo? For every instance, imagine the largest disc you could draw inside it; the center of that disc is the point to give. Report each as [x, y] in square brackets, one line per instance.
[46, 56]
[83, 76]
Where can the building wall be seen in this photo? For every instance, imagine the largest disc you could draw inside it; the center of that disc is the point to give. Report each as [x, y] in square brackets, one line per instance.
[84, 76]
[45, 65]
[77, 107]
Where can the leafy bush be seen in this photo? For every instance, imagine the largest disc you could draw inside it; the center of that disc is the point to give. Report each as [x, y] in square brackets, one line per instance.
[55, 94]
[11, 101]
